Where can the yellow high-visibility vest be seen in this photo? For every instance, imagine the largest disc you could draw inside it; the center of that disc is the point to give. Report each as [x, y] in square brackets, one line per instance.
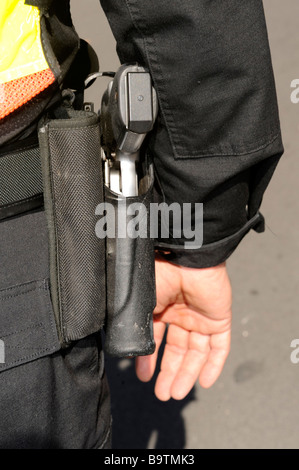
[24, 71]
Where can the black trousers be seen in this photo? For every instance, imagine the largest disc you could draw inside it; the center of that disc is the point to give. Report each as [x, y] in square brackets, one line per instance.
[49, 398]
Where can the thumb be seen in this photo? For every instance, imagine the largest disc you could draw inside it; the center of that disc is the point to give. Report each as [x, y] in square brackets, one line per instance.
[145, 365]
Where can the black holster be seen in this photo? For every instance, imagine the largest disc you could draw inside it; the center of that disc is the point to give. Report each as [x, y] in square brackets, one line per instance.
[131, 294]
[73, 187]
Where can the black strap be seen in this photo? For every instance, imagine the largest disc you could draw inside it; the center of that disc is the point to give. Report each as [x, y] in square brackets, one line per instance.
[21, 185]
[41, 4]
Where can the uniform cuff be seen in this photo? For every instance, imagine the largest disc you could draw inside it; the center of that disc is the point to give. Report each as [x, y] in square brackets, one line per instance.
[211, 254]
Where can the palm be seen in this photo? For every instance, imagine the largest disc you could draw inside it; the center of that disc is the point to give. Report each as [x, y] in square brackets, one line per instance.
[196, 306]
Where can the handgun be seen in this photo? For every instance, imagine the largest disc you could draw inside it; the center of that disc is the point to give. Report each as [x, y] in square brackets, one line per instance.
[128, 112]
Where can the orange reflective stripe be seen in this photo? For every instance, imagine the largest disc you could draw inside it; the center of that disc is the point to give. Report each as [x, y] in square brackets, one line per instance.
[24, 70]
[15, 93]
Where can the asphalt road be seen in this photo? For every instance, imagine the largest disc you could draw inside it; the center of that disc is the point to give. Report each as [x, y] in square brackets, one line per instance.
[254, 404]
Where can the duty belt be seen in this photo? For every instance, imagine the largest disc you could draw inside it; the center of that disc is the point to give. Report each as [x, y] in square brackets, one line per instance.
[21, 186]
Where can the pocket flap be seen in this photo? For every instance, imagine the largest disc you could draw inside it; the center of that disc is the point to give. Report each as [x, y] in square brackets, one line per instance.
[27, 325]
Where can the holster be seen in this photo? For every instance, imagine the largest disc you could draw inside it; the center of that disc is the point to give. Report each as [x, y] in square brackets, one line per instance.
[73, 187]
[131, 293]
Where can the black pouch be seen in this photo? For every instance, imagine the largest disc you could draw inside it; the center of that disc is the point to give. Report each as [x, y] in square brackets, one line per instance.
[131, 294]
[73, 187]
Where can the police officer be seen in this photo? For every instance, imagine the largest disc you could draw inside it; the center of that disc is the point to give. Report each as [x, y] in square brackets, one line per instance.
[217, 141]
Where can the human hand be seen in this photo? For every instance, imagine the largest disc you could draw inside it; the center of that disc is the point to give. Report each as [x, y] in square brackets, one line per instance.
[196, 304]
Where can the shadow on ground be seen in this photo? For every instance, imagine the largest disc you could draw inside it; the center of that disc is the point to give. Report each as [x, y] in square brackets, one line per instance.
[140, 420]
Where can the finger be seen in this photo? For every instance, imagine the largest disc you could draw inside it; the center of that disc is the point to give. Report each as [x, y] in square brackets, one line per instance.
[173, 356]
[146, 365]
[220, 346]
[194, 360]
